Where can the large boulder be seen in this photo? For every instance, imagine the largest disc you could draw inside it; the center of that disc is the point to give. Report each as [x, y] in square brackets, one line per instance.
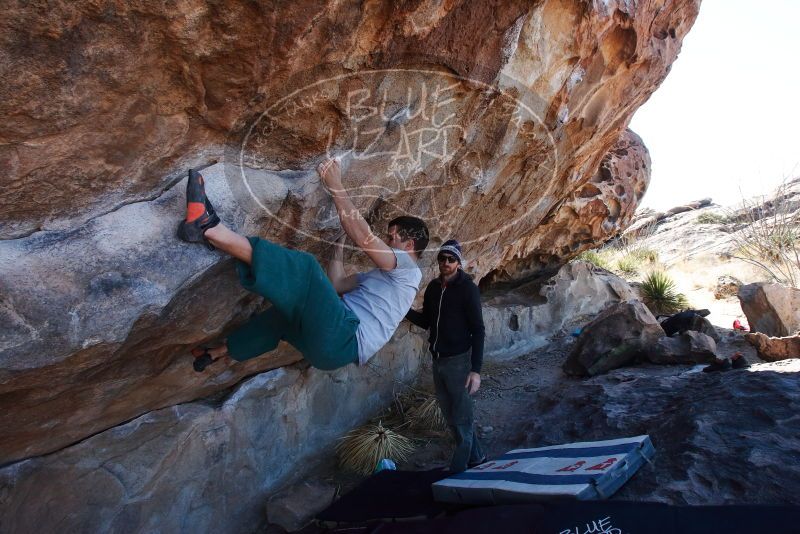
[773, 349]
[208, 465]
[689, 347]
[224, 455]
[118, 346]
[772, 309]
[523, 319]
[617, 337]
[704, 326]
[691, 206]
[295, 507]
[594, 213]
[105, 104]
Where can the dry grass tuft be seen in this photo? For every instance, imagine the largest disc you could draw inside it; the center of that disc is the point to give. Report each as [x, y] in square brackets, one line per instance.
[628, 265]
[712, 218]
[624, 256]
[644, 254]
[428, 416]
[364, 447]
[598, 258]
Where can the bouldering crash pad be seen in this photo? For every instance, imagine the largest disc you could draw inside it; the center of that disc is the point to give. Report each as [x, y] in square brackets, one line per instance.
[387, 496]
[586, 470]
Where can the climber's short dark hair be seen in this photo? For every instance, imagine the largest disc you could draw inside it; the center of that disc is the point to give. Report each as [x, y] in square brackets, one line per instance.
[412, 228]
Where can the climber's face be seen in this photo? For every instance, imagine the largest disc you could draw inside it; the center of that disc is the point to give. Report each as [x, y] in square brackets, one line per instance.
[394, 240]
[448, 264]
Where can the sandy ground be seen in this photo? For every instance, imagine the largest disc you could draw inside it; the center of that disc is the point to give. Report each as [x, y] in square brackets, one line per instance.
[697, 278]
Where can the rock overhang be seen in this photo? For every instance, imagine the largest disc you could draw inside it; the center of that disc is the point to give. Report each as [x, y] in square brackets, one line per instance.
[111, 100]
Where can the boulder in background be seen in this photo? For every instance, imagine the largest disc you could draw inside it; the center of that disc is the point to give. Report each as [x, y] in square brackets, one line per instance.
[689, 347]
[773, 349]
[772, 309]
[620, 334]
[727, 286]
[293, 508]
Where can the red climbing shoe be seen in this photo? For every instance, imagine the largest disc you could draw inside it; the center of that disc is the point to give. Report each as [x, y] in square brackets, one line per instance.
[200, 214]
[737, 325]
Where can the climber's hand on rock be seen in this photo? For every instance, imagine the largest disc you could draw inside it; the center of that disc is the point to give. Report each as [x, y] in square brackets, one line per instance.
[331, 173]
[473, 382]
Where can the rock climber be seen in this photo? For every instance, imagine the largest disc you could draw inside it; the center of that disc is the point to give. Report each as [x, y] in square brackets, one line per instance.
[451, 310]
[307, 310]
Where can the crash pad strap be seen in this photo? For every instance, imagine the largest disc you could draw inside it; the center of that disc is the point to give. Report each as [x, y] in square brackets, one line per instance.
[622, 448]
[529, 478]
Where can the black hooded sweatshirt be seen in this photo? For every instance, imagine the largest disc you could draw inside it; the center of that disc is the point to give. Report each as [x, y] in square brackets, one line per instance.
[453, 314]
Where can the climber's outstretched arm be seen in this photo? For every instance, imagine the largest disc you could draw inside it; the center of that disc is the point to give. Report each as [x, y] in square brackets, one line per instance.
[353, 223]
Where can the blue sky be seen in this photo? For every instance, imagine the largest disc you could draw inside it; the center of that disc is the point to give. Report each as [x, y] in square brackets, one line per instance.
[727, 117]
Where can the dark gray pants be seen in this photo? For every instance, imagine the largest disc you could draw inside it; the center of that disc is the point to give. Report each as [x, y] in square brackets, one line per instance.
[449, 378]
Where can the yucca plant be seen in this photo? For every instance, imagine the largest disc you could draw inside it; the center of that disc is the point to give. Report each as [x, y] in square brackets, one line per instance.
[660, 294]
[361, 449]
[428, 416]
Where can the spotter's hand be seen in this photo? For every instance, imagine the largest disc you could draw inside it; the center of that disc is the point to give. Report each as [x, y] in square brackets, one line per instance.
[331, 174]
[473, 382]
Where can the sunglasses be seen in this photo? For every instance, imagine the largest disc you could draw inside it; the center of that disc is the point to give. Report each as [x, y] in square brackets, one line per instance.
[445, 258]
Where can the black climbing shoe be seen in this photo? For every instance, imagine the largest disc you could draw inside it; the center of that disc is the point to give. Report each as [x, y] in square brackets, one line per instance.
[718, 365]
[738, 361]
[681, 321]
[202, 359]
[200, 214]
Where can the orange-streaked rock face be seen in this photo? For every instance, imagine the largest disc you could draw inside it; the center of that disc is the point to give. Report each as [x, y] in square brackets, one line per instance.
[105, 104]
[598, 210]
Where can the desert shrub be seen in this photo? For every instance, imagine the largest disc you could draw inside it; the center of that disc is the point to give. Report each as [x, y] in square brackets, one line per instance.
[364, 447]
[644, 254]
[427, 416]
[784, 238]
[712, 218]
[770, 236]
[600, 259]
[660, 294]
[629, 265]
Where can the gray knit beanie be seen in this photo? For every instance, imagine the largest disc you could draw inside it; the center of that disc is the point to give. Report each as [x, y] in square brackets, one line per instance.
[453, 247]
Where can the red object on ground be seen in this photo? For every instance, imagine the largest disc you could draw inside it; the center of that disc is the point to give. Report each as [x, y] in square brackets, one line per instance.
[737, 325]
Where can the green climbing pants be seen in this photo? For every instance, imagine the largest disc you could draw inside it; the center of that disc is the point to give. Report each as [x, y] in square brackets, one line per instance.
[306, 311]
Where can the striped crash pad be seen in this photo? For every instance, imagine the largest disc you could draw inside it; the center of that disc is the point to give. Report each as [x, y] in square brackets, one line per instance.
[586, 470]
